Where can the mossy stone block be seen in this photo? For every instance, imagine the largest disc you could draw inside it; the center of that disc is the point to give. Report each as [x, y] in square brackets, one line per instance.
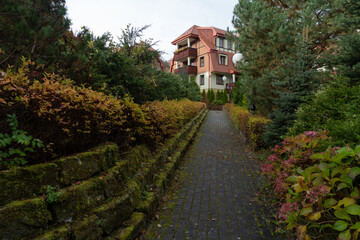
[76, 201]
[113, 184]
[150, 205]
[111, 155]
[79, 167]
[135, 157]
[89, 228]
[25, 182]
[23, 219]
[133, 228]
[61, 233]
[115, 212]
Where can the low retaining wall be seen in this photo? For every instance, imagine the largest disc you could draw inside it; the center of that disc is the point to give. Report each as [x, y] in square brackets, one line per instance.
[92, 195]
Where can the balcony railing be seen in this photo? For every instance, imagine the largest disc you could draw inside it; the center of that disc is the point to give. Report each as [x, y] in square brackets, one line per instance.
[189, 70]
[188, 52]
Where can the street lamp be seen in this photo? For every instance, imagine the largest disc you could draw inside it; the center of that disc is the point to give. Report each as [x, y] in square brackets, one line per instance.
[228, 86]
[238, 57]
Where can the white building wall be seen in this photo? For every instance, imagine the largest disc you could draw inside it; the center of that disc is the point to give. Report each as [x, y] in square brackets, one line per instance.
[216, 86]
[206, 80]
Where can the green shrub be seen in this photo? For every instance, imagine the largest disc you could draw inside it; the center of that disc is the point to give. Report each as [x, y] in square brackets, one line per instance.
[203, 94]
[211, 96]
[15, 146]
[255, 129]
[335, 109]
[318, 189]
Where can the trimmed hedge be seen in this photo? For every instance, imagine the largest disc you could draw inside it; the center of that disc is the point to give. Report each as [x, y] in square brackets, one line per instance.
[70, 119]
[252, 126]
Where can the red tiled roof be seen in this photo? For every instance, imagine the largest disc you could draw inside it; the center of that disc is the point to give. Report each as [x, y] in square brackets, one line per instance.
[191, 31]
[206, 34]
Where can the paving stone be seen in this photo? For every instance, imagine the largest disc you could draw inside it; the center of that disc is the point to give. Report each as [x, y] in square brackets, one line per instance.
[216, 199]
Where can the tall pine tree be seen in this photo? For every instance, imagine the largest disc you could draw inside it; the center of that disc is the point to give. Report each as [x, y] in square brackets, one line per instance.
[31, 28]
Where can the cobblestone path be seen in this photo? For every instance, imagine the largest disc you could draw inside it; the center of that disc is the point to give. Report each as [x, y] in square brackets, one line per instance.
[217, 198]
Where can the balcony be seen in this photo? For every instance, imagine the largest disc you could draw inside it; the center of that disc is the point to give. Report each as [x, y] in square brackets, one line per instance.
[189, 70]
[187, 52]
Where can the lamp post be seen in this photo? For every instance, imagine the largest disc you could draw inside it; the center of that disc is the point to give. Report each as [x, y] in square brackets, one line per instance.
[228, 86]
[239, 57]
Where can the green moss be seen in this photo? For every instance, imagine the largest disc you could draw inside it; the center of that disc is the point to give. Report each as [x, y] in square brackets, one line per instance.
[134, 191]
[88, 228]
[78, 200]
[134, 226]
[112, 183]
[23, 218]
[149, 206]
[79, 167]
[25, 182]
[115, 212]
[61, 233]
[111, 153]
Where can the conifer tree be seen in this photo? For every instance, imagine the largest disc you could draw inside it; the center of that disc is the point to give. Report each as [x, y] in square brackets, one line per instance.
[31, 28]
[293, 90]
[211, 96]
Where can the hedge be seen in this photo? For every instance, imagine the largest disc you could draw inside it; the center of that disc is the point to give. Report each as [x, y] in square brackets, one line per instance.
[252, 126]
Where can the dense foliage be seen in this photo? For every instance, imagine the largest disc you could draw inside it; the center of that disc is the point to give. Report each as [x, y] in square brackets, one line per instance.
[70, 119]
[318, 189]
[335, 109]
[284, 43]
[251, 126]
[39, 30]
[31, 28]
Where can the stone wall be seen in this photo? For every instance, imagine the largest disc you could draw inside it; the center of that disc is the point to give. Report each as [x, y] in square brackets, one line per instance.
[93, 195]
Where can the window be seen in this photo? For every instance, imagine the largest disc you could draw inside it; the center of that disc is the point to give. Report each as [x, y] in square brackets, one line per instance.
[219, 80]
[221, 42]
[223, 59]
[202, 62]
[202, 79]
[229, 44]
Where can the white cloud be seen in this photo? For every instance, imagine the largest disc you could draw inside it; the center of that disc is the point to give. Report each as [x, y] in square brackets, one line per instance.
[168, 19]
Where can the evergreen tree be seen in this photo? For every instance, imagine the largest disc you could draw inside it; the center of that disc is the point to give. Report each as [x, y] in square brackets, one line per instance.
[347, 54]
[203, 94]
[266, 35]
[293, 90]
[210, 96]
[31, 28]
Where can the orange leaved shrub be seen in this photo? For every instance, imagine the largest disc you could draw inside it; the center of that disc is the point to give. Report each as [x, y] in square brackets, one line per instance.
[69, 119]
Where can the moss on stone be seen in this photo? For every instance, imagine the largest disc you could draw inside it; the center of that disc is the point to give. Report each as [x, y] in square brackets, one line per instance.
[61, 233]
[115, 212]
[89, 228]
[25, 182]
[149, 206]
[111, 155]
[134, 226]
[23, 218]
[79, 167]
[78, 200]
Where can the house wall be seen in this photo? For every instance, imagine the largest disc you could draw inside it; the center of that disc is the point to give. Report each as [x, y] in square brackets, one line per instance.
[206, 80]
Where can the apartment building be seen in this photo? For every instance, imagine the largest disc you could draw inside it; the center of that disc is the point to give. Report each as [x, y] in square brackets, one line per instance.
[204, 52]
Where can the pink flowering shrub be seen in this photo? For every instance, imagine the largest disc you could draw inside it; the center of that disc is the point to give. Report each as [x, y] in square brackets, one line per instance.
[318, 190]
[287, 209]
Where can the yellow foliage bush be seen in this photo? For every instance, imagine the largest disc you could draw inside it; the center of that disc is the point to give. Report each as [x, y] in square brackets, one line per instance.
[252, 126]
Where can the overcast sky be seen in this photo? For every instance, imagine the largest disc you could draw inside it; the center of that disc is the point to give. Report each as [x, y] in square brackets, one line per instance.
[168, 19]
